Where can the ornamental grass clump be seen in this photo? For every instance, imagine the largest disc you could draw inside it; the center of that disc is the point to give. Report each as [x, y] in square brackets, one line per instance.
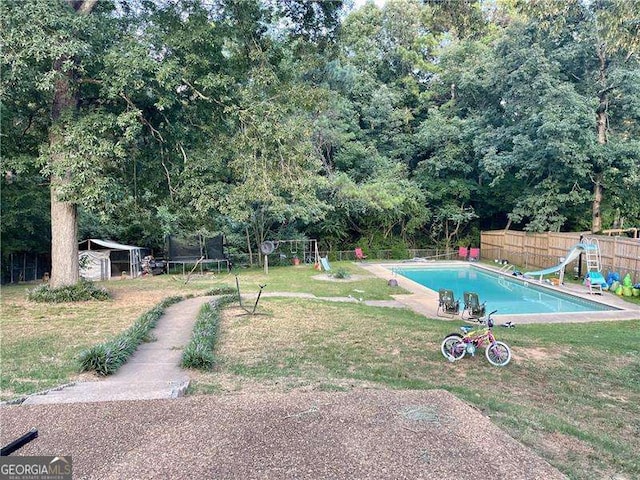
[82, 291]
[199, 352]
[221, 290]
[341, 274]
[107, 357]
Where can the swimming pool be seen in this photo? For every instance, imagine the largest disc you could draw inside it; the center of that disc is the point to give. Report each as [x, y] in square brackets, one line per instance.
[508, 295]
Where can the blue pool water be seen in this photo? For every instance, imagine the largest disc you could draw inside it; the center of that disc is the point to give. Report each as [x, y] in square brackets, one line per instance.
[508, 295]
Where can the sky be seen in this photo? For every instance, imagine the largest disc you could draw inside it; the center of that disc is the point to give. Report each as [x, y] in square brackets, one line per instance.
[359, 3]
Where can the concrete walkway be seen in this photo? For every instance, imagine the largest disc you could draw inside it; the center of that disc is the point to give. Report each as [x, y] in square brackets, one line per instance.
[152, 372]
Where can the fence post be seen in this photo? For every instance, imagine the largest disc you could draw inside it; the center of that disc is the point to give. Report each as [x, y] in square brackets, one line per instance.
[548, 242]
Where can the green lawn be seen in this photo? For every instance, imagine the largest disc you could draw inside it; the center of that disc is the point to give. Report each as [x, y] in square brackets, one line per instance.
[571, 392]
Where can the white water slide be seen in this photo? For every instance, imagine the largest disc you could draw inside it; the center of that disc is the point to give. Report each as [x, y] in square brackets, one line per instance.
[574, 253]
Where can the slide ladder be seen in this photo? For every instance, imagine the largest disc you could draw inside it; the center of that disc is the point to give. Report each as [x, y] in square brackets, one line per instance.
[593, 260]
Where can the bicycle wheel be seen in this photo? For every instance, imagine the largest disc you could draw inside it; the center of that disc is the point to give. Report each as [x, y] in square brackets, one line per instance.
[452, 347]
[498, 354]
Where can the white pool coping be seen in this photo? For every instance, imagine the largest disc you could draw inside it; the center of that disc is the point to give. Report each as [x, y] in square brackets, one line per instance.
[425, 301]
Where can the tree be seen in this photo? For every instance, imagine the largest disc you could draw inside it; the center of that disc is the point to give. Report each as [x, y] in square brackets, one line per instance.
[131, 85]
[416, 120]
[25, 223]
[273, 168]
[447, 175]
[604, 37]
[49, 47]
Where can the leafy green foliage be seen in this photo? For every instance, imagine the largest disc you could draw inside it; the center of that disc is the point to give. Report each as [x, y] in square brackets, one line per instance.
[199, 352]
[25, 225]
[408, 124]
[106, 358]
[221, 290]
[341, 273]
[80, 292]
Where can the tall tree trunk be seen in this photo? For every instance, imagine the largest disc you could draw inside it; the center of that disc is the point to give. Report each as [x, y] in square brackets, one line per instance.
[596, 218]
[64, 219]
[64, 240]
[601, 125]
[246, 229]
[64, 214]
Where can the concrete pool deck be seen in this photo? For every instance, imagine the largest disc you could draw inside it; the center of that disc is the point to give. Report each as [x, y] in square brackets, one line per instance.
[425, 301]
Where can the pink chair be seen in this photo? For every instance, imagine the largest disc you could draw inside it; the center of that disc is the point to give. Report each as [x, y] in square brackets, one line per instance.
[474, 254]
[462, 252]
[359, 254]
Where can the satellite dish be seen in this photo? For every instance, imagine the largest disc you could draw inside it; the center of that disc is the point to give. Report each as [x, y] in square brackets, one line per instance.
[267, 247]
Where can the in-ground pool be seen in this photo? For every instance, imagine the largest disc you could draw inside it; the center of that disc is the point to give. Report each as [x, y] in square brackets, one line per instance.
[508, 295]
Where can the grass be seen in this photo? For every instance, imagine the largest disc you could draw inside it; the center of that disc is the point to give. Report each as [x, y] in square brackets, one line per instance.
[107, 357]
[571, 392]
[40, 342]
[199, 352]
[304, 279]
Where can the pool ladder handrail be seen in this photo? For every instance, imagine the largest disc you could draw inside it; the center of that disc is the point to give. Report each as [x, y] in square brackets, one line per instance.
[506, 267]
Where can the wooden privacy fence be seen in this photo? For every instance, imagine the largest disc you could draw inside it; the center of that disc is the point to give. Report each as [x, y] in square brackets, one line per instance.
[543, 250]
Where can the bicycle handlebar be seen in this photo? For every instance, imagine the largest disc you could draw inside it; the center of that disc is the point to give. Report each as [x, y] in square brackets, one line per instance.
[486, 319]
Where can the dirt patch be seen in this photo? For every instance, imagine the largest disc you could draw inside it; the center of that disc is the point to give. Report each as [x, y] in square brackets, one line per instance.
[538, 354]
[561, 446]
[285, 328]
[226, 384]
[247, 336]
[352, 278]
[613, 398]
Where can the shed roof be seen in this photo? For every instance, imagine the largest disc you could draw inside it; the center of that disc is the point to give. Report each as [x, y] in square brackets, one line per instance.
[105, 244]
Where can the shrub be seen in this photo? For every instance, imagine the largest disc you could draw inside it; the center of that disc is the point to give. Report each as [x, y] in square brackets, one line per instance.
[107, 357]
[80, 292]
[341, 273]
[399, 252]
[221, 290]
[199, 352]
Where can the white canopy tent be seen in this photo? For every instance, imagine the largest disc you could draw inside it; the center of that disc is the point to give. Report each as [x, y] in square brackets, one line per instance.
[101, 259]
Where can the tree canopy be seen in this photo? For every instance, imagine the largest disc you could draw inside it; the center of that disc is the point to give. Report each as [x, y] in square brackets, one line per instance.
[414, 123]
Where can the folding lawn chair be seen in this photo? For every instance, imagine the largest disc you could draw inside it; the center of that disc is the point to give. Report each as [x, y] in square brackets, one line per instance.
[447, 304]
[472, 306]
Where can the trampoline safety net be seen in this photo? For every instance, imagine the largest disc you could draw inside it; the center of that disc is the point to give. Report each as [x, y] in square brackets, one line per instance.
[193, 247]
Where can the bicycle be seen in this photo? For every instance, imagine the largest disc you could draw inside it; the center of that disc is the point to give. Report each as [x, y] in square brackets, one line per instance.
[456, 346]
